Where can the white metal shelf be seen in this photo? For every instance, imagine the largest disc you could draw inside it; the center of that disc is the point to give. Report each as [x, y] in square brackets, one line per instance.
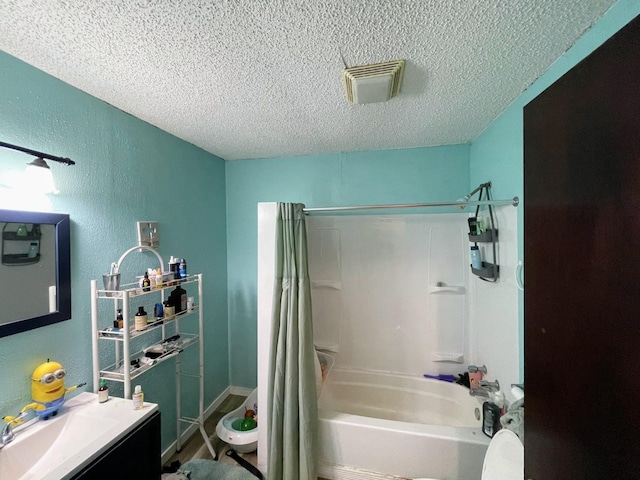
[112, 372]
[133, 333]
[120, 371]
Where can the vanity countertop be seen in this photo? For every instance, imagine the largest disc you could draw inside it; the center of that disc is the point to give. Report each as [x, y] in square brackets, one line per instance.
[61, 446]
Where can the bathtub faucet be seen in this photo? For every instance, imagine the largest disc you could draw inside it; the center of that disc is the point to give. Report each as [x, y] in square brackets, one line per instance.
[474, 369]
[479, 392]
[489, 386]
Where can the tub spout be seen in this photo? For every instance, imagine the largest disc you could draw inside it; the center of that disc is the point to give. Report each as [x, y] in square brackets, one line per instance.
[490, 386]
[479, 392]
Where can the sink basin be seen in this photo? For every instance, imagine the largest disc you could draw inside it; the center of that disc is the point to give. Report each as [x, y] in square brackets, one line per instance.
[59, 447]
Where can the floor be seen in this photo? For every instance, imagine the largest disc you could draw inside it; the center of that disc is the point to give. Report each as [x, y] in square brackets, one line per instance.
[195, 446]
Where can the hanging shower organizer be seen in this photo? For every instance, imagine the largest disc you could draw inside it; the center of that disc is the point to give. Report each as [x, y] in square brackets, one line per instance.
[173, 342]
[490, 271]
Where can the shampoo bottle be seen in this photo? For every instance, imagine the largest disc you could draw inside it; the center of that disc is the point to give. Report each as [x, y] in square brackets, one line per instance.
[138, 398]
[141, 319]
[182, 268]
[476, 260]
[179, 299]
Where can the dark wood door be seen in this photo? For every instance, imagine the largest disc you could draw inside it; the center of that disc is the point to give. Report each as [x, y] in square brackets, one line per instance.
[582, 255]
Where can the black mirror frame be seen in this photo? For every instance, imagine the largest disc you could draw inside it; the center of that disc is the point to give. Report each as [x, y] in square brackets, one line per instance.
[63, 269]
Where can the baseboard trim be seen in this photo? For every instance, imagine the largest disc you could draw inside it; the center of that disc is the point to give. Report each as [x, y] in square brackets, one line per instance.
[245, 392]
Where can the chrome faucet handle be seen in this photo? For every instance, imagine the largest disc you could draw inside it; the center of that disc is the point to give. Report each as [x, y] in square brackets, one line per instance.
[478, 392]
[7, 434]
[489, 385]
[474, 369]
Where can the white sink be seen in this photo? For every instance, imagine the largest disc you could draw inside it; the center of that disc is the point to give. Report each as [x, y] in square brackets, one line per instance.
[59, 447]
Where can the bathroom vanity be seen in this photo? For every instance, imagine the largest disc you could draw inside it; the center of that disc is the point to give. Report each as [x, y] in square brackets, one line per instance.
[87, 440]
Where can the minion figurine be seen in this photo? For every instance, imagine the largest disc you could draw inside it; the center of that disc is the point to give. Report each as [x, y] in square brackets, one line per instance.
[47, 389]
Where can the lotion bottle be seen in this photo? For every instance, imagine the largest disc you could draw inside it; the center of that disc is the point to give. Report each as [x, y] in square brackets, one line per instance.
[138, 398]
[141, 319]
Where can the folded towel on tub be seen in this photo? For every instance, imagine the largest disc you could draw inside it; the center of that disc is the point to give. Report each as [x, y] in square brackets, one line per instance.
[514, 418]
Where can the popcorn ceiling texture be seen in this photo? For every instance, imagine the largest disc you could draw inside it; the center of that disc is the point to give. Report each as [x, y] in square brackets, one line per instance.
[262, 78]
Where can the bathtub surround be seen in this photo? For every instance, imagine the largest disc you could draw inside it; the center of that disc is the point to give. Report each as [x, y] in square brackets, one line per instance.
[292, 414]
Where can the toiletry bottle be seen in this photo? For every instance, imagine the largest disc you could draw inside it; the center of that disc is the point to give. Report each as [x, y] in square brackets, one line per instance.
[174, 267]
[476, 261]
[169, 310]
[490, 419]
[138, 398]
[183, 268]
[159, 278]
[179, 299]
[103, 391]
[141, 319]
[473, 225]
[158, 311]
[119, 319]
[146, 283]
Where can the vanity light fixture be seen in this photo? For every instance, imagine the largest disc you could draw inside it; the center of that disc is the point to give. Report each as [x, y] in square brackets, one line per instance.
[38, 174]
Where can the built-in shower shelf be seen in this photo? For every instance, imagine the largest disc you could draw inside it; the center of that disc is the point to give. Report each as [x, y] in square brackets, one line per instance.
[446, 289]
[326, 284]
[447, 357]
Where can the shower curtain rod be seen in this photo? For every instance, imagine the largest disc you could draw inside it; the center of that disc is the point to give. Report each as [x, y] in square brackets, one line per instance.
[496, 203]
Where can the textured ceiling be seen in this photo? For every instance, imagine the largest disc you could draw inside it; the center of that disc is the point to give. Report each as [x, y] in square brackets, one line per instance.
[262, 78]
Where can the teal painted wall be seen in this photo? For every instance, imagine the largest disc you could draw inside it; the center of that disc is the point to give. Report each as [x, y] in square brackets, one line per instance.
[126, 171]
[497, 154]
[435, 174]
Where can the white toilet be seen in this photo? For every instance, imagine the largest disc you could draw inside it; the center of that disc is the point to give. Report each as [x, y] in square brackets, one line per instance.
[228, 428]
[504, 459]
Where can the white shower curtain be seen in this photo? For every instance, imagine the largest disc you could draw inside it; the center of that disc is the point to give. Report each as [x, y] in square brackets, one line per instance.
[293, 425]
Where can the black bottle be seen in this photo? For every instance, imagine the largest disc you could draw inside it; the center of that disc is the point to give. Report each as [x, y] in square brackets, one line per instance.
[178, 298]
[490, 419]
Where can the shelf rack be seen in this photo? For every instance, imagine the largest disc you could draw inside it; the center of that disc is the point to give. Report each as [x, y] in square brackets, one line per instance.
[120, 370]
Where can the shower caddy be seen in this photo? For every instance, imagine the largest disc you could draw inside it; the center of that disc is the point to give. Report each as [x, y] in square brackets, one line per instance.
[123, 356]
[489, 272]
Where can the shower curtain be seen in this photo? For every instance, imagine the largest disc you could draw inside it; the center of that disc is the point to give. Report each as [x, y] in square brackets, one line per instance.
[293, 425]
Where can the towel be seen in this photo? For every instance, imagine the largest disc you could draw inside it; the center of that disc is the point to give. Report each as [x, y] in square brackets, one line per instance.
[514, 418]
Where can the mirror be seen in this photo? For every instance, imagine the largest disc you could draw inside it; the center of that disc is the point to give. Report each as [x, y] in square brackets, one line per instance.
[35, 270]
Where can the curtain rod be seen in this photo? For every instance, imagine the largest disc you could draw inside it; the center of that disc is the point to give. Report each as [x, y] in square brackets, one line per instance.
[514, 201]
[35, 153]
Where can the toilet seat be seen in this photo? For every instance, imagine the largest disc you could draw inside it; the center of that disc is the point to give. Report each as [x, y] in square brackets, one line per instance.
[504, 459]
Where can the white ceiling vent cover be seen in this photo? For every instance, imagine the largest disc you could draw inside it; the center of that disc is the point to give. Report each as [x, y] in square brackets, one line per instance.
[373, 83]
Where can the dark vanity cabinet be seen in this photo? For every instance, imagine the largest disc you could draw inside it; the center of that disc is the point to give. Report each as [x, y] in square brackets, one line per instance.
[137, 455]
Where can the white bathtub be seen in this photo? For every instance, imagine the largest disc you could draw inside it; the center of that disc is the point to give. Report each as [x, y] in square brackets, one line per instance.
[376, 425]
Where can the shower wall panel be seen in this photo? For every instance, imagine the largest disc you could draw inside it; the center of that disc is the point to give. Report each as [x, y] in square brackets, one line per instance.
[371, 277]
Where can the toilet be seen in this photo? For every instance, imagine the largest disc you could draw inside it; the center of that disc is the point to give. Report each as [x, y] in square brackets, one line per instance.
[229, 430]
[504, 459]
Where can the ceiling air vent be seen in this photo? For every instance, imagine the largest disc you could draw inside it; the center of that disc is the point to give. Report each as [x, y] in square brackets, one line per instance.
[373, 83]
